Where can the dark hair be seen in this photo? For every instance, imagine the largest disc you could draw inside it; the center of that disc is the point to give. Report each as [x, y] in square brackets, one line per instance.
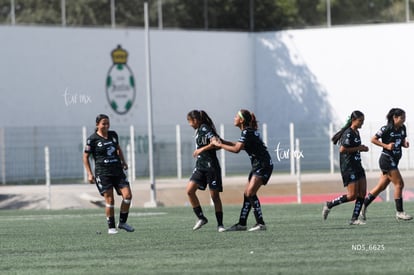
[249, 119]
[394, 112]
[352, 117]
[100, 117]
[203, 118]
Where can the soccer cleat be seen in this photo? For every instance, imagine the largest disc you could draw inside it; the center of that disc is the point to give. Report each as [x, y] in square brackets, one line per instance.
[325, 211]
[363, 214]
[258, 227]
[403, 216]
[221, 228]
[200, 223]
[126, 227]
[237, 227]
[112, 231]
[356, 222]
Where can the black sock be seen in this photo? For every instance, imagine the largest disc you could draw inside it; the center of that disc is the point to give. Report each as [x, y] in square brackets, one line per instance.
[123, 217]
[337, 201]
[370, 198]
[257, 209]
[111, 222]
[244, 213]
[399, 204]
[357, 209]
[219, 218]
[199, 213]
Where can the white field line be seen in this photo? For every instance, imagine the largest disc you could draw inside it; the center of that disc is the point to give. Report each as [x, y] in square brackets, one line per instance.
[65, 216]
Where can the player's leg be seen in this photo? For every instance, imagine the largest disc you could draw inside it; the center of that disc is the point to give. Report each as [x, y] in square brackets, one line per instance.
[191, 190]
[110, 210]
[251, 192]
[361, 188]
[126, 194]
[396, 178]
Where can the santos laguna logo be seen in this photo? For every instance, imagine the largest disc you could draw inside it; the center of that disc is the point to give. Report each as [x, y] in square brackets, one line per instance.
[120, 83]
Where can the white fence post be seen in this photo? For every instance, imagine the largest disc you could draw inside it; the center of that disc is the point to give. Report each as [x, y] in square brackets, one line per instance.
[298, 174]
[265, 134]
[178, 148]
[85, 174]
[132, 163]
[292, 147]
[222, 154]
[47, 173]
[129, 162]
[331, 150]
[3, 156]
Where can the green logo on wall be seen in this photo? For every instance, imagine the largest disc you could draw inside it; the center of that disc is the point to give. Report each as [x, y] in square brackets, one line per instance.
[120, 83]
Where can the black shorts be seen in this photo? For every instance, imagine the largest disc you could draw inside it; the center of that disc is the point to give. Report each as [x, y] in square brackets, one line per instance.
[104, 183]
[212, 177]
[387, 163]
[354, 176]
[263, 172]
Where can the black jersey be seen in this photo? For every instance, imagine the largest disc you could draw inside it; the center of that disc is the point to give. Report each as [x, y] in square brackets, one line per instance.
[255, 148]
[350, 162]
[105, 154]
[207, 159]
[389, 134]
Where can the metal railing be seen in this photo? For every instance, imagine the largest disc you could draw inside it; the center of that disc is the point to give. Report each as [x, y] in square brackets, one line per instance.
[22, 158]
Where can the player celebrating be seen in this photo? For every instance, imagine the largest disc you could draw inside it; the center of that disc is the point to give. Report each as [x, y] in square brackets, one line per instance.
[207, 169]
[109, 160]
[391, 138]
[353, 174]
[260, 173]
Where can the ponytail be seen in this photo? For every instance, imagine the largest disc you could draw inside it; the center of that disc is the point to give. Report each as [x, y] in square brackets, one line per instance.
[352, 117]
[203, 118]
[249, 119]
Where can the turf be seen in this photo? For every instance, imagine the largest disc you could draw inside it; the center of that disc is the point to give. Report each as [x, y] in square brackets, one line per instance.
[297, 241]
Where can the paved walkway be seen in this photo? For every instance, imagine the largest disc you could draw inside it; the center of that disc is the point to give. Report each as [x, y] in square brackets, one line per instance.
[171, 192]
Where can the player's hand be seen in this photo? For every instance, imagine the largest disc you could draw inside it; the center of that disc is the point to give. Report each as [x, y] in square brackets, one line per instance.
[406, 144]
[125, 166]
[91, 179]
[364, 148]
[390, 146]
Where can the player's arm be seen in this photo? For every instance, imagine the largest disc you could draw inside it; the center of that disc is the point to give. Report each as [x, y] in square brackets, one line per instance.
[405, 143]
[376, 140]
[349, 150]
[87, 165]
[121, 157]
[210, 146]
[231, 146]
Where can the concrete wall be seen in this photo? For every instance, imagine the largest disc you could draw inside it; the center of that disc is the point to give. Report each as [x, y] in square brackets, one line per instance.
[57, 76]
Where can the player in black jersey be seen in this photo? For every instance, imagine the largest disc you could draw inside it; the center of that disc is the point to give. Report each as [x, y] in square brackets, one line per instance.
[207, 170]
[103, 146]
[353, 174]
[261, 170]
[391, 137]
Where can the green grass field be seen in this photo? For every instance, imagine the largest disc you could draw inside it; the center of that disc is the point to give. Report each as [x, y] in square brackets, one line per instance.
[297, 241]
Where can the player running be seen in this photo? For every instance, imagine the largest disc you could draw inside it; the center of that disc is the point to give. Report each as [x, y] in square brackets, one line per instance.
[353, 174]
[391, 137]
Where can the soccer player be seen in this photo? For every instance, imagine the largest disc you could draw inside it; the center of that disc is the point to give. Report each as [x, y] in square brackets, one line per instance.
[391, 137]
[261, 170]
[353, 174]
[207, 168]
[103, 146]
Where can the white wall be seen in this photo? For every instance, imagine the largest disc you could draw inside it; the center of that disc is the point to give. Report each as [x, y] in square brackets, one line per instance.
[190, 70]
[315, 75]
